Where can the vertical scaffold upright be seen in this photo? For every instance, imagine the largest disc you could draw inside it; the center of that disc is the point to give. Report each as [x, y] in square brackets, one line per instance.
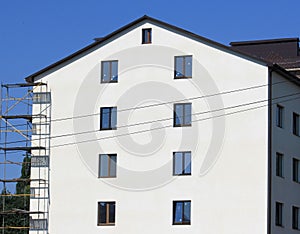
[24, 146]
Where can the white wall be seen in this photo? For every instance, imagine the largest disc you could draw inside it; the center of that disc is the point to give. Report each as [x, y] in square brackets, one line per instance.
[228, 186]
[284, 190]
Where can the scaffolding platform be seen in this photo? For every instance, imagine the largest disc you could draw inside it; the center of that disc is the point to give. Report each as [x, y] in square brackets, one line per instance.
[27, 149]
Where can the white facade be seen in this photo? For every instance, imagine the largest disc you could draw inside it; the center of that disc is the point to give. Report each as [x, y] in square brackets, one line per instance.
[228, 139]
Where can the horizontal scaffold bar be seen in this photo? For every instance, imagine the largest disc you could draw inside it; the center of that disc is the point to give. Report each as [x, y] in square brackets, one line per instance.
[22, 85]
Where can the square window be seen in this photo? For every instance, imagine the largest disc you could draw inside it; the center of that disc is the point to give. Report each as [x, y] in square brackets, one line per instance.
[146, 36]
[278, 214]
[279, 116]
[108, 118]
[182, 114]
[182, 163]
[41, 98]
[106, 213]
[296, 170]
[107, 165]
[38, 224]
[296, 218]
[109, 71]
[279, 164]
[296, 124]
[183, 67]
[181, 212]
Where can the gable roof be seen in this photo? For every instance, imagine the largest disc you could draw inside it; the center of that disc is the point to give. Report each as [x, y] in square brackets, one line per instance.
[99, 41]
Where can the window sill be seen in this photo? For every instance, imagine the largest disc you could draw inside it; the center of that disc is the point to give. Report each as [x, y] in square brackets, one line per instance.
[108, 82]
[180, 126]
[182, 174]
[183, 77]
[105, 224]
[106, 129]
[182, 223]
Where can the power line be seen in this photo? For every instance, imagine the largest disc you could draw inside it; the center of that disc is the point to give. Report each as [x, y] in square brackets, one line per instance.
[164, 119]
[170, 102]
[168, 126]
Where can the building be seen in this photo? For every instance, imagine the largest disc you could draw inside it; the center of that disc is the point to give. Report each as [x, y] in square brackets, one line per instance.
[157, 130]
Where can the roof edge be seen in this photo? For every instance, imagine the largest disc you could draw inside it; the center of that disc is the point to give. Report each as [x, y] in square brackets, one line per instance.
[266, 41]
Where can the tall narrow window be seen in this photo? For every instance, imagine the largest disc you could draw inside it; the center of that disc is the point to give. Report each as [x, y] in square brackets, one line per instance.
[279, 164]
[182, 163]
[181, 212]
[296, 170]
[182, 114]
[183, 67]
[107, 165]
[41, 98]
[109, 71]
[296, 124]
[108, 118]
[106, 213]
[147, 36]
[279, 116]
[278, 214]
[296, 218]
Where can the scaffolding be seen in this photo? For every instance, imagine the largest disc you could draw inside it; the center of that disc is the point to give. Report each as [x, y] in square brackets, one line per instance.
[24, 146]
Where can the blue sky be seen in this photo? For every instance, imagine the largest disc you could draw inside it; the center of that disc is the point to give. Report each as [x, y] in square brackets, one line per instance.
[35, 33]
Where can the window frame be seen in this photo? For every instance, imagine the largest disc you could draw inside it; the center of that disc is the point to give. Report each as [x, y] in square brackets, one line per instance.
[184, 68]
[110, 161]
[183, 173]
[279, 169]
[110, 118]
[183, 115]
[295, 218]
[296, 123]
[279, 116]
[147, 36]
[296, 170]
[174, 212]
[107, 213]
[110, 64]
[45, 100]
[279, 214]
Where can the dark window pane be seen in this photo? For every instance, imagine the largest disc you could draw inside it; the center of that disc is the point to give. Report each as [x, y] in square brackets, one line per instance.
[105, 116]
[112, 212]
[178, 212]
[279, 164]
[187, 212]
[113, 117]
[187, 163]
[178, 163]
[146, 35]
[179, 115]
[179, 67]
[113, 166]
[296, 124]
[114, 70]
[278, 214]
[102, 212]
[105, 71]
[296, 168]
[188, 66]
[187, 114]
[103, 165]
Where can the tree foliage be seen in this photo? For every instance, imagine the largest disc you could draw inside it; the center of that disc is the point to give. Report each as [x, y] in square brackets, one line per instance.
[10, 203]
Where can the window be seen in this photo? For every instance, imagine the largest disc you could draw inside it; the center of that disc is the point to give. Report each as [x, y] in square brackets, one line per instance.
[183, 67]
[296, 124]
[107, 165]
[278, 214]
[296, 218]
[108, 118]
[147, 36]
[39, 161]
[106, 213]
[182, 163]
[109, 71]
[296, 170]
[279, 164]
[38, 224]
[181, 212]
[182, 114]
[41, 98]
[279, 116]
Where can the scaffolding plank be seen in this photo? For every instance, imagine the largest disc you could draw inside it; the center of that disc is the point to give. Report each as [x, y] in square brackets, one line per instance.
[22, 85]
[28, 149]
[20, 180]
[27, 117]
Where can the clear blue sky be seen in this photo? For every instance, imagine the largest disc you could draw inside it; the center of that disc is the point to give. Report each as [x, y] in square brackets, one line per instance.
[36, 33]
